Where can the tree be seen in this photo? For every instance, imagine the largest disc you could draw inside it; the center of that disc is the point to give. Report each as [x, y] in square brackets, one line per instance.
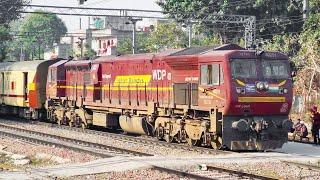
[273, 16]
[41, 30]
[166, 36]
[89, 52]
[309, 54]
[124, 45]
[9, 11]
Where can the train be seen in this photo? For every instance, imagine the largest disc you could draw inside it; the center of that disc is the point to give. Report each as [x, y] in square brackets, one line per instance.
[220, 97]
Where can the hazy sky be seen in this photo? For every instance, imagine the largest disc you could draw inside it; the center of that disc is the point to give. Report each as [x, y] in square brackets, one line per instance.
[73, 22]
[121, 4]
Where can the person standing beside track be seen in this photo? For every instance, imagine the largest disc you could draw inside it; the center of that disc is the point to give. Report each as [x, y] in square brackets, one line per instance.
[315, 116]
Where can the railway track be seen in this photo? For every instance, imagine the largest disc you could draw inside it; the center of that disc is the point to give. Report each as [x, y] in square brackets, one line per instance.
[96, 149]
[303, 165]
[303, 141]
[213, 172]
[141, 140]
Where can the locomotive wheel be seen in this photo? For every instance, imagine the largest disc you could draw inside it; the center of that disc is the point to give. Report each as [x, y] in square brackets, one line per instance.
[70, 124]
[216, 143]
[178, 138]
[159, 133]
[168, 138]
[193, 142]
[83, 126]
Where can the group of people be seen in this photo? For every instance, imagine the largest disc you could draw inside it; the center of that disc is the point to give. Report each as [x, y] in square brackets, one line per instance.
[300, 129]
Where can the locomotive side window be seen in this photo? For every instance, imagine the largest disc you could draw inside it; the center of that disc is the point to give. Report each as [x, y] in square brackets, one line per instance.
[211, 74]
[243, 68]
[204, 74]
[86, 78]
[53, 75]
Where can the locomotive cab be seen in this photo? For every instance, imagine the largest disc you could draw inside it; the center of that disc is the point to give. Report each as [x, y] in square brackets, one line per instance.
[254, 94]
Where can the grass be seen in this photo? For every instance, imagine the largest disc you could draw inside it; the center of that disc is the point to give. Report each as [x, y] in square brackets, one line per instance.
[40, 162]
[5, 162]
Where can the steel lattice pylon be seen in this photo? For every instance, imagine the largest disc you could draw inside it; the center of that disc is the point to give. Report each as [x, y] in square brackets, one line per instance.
[249, 22]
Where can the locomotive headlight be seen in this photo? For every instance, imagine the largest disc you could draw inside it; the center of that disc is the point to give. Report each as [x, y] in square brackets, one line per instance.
[283, 91]
[266, 85]
[260, 85]
[240, 90]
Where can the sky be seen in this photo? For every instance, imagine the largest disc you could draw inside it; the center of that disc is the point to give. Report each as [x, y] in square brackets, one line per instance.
[72, 22]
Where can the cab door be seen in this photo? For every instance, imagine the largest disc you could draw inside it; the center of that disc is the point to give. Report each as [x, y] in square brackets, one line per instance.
[25, 86]
[2, 86]
[211, 88]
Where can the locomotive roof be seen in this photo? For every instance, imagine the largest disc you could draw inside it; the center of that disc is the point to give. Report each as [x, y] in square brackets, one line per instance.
[21, 65]
[57, 64]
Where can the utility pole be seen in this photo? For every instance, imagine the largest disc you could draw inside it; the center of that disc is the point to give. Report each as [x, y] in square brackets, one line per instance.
[81, 46]
[134, 43]
[21, 52]
[39, 47]
[305, 9]
[190, 35]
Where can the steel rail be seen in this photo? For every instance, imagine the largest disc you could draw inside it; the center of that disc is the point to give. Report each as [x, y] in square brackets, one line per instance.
[240, 173]
[309, 166]
[218, 171]
[141, 140]
[180, 173]
[45, 142]
[131, 139]
[82, 145]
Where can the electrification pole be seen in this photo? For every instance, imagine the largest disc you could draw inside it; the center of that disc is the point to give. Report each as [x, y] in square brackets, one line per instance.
[134, 39]
[190, 34]
[81, 46]
[305, 9]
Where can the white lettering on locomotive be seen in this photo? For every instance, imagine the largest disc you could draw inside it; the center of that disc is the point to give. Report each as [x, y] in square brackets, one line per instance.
[191, 79]
[106, 76]
[160, 74]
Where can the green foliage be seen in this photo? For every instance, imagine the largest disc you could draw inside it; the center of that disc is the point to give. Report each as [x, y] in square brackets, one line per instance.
[166, 36]
[310, 40]
[4, 37]
[206, 41]
[90, 53]
[288, 43]
[10, 10]
[125, 44]
[273, 16]
[41, 30]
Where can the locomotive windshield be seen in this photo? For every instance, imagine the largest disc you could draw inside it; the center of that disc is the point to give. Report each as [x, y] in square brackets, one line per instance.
[247, 68]
[275, 69]
[243, 68]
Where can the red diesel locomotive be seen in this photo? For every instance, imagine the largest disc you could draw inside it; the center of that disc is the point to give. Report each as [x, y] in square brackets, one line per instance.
[223, 97]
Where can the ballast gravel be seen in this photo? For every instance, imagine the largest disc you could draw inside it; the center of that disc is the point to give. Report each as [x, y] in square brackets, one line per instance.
[95, 138]
[40, 155]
